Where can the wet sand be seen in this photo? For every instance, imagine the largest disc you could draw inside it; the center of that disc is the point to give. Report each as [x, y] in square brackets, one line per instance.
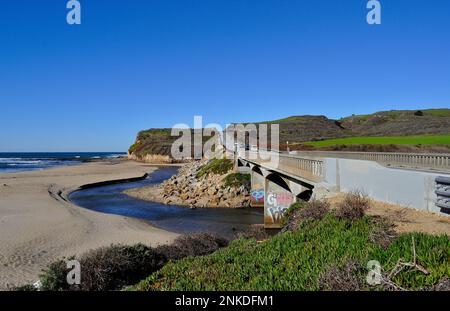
[37, 224]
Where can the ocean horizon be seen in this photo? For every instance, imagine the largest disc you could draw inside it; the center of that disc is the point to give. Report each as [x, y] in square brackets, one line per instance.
[13, 162]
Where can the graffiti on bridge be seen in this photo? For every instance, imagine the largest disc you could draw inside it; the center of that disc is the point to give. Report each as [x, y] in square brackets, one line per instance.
[277, 205]
[258, 195]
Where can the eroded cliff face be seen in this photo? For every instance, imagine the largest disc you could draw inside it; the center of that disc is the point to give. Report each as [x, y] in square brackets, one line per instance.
[151, 158]
[188, 189]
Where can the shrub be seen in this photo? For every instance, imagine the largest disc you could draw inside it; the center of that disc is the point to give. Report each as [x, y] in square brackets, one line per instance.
[53, 278]
[443, 285]
[237, 180]
[353, 207]
[105, 268]
[383, 233]
[349, 277]
[314, 210]
[258, 233]
[197, 244]
[25, 288]
[215, 166]
[109, 268]
[134, 147]
[305, 211]
[294, 206]
[116, 266]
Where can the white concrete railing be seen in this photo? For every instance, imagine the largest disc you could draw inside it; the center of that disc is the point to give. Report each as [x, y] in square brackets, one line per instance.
[407, 160]
[311, 169]
[309, 164]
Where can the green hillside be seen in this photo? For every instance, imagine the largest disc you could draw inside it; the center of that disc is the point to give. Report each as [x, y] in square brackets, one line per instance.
[385, 140]
[415, 128]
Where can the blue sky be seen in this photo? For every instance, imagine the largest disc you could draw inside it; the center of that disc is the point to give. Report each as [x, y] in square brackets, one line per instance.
[133, 65]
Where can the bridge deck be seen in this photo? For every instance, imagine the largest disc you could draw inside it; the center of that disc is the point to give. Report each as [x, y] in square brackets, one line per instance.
[416, 161]
[310, 163]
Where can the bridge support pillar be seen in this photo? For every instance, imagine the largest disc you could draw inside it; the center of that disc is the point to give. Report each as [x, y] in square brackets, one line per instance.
[241, 166]
[257, 189]
[277, 200]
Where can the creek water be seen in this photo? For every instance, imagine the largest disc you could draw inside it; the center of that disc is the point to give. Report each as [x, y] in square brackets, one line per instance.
[110, 199]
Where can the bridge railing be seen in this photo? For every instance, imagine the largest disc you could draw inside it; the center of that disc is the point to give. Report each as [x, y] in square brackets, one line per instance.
[311, 169]
[407, 160]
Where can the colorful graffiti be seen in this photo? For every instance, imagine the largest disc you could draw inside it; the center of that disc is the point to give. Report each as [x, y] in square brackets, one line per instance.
[280, 199]
[277, 213]
[257, 194]
[277, 205]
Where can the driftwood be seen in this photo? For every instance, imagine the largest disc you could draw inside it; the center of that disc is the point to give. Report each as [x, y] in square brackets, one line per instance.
[400, 266]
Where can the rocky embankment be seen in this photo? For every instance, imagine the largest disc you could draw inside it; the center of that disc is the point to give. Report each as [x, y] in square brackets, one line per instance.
[188, 189]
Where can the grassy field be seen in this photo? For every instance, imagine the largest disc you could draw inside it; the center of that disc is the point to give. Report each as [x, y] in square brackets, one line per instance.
[385, 140]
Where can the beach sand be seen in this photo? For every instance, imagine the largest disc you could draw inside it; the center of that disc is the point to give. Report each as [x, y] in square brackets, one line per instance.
[38, 226]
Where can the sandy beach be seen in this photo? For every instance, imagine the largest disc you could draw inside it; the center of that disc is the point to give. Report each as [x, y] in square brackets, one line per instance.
[38, 226]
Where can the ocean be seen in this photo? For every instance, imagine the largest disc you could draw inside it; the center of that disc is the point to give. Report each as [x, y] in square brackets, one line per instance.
[13, 162]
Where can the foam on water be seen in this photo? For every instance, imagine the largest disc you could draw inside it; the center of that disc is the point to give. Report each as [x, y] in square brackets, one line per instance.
[19, 162]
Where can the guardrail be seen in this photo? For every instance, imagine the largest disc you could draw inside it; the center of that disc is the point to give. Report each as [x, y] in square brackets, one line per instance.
[310, 169]
[407, 160]
[309, 164]
[443, 193]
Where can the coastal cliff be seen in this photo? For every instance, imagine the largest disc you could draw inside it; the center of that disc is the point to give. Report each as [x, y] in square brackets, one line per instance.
[206, 183]
[155, 146]
[152, 146]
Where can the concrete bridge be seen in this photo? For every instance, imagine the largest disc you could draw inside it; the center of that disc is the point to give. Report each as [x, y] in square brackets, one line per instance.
[420, 181]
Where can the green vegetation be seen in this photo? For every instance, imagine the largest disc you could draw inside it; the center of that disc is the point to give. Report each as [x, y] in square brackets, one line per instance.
[134, 147]
[285, 120]
[215, 166]
[438, 112]
[385, 140]
[117, 266]
[152, 141]
[396, 113]
[25, 288]
[296, 260]
[295, 206]
[321, 249]
[159, 141]
[237, 180]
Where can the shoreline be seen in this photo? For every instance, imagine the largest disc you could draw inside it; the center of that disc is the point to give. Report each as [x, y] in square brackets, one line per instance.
[38, 224]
